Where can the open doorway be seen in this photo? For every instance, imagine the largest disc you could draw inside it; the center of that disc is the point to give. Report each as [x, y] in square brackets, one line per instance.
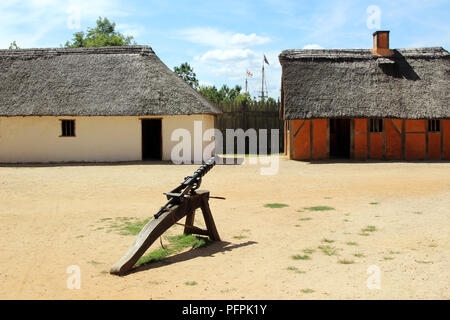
[340, 138]
[151, 139]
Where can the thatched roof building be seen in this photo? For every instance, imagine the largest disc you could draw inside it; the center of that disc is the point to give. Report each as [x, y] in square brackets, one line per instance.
[109, 81]
[96, 104]
[410, 84]
[378, 103]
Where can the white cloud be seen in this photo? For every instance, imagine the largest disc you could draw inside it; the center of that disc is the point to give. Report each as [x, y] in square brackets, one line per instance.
[227, 56]
[130, 29]
[313, 46]
[222, 39]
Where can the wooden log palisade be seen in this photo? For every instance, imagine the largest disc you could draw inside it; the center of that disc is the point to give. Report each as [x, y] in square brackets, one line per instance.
[183, 201]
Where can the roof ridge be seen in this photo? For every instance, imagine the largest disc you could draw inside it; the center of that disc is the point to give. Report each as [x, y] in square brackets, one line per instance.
[294, 54]
[143, 50]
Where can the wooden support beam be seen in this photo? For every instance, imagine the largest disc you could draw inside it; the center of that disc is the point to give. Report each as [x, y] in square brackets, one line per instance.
[156, 227]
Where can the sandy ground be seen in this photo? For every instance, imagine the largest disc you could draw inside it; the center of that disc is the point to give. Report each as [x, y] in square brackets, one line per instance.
[52, 217]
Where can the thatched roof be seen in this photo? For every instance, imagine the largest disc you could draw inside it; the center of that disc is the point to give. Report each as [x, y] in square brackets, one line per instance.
[109, 81]
[411, 84]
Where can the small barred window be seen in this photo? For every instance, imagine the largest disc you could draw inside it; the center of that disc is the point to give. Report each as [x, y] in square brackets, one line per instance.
[67, 128]
[376, 125]
[434, 126]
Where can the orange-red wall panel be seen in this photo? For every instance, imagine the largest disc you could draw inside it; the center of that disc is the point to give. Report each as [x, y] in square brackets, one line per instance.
[302, 146]
[445, 130]
[434, 146]
[360, 139]
[376, 146]
[415, 148]
[360, 143]
[415, 125]
[393, 139]
[360, 125]
[319, 139]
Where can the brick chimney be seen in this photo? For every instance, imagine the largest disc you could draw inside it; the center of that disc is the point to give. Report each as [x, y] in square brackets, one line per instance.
[381, 44]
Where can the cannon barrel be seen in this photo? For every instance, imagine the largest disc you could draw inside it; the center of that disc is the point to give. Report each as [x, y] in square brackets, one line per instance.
[200, 172]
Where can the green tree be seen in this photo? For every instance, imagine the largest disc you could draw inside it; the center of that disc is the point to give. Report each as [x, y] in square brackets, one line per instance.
[224, 95]
[13, 45]
[186, 72]
[103, 35]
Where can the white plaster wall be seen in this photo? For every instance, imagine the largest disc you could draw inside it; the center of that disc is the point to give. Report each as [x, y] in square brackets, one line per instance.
[98, 139]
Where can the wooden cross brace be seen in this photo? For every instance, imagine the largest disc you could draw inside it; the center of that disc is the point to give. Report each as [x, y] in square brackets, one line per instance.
[156, 227]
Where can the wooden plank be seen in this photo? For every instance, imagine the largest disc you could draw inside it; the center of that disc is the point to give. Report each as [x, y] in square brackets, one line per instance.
[352, 138]
[209, 220]
[403, 140]
[328, 138]
[384, 138]
[299, 128]
[189, 224]
[395, 127]
[368, 138]
[311, 140]
[427, 156]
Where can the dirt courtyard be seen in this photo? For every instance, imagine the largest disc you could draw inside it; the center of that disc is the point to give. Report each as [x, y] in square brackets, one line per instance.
[346, 227]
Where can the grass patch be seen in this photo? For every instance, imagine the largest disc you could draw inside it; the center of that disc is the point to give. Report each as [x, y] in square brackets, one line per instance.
[239, 237]
[190, 283]
[328, 250]
[275, 205]
[345, 261]
[424, 262]
[309, 251]
[80, 236]
[301, 257]
[394, 252]
[369, 229]
[307, 290]
[388, 258]
[133, 228]
[94, 262]
[352, 243]
[327, 240]
[359, 255]
[176, 244]
[374, 203]
[125, 226]
[305, 219]
[319, 208]
[417, 212]
[365, 234]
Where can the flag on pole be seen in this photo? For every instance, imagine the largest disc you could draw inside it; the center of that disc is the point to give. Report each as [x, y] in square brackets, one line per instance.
[265, 60]
[249, 74]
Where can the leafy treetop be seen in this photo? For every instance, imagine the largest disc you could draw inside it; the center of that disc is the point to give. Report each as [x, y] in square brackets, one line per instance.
[103, 35]
[186, 72]
[13, 45]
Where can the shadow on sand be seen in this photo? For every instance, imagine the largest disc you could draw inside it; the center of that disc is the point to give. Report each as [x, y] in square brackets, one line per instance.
[210, 250]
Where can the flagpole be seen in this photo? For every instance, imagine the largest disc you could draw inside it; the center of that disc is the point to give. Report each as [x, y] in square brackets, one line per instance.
[262, 82]
[246, 83]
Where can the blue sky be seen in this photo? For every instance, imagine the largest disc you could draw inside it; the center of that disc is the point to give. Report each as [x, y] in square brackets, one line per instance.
[222, 39]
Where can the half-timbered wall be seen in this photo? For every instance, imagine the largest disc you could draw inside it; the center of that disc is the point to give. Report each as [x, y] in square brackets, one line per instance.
[399, 139]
